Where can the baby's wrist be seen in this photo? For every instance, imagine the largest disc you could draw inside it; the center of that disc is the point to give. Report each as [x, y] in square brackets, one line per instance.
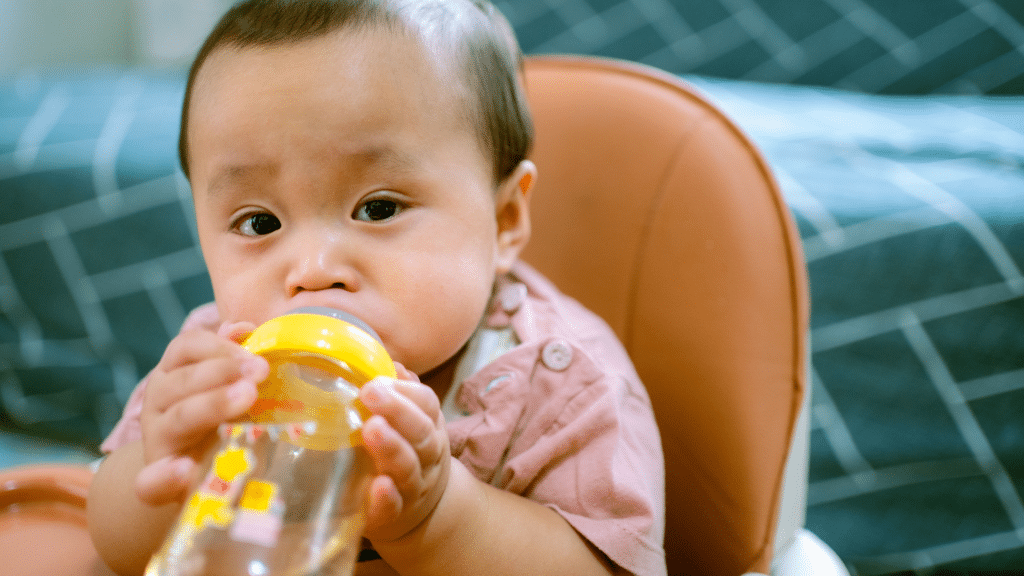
[444, 529]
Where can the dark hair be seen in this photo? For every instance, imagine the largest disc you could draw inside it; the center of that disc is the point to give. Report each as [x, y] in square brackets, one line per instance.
[478, 37]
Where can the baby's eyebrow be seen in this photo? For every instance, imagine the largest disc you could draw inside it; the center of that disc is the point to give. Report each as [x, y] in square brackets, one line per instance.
[227, 177]
[381, 158]
[385, 157]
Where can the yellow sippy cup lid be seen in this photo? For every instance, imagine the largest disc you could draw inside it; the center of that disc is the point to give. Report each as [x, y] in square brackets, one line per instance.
[331, 342]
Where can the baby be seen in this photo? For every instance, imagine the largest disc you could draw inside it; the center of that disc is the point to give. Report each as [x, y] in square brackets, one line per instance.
[372, 156]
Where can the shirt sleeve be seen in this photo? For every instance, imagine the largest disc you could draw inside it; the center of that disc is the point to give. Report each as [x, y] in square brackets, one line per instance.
[129, 428]
[576, 438]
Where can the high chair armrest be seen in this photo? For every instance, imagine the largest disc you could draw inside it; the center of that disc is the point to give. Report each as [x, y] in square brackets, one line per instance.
[43, 527]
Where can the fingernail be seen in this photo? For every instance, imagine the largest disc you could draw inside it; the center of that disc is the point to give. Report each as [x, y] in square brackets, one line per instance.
[373, 433]
[242, 394]
[372, 395]
[252, 367]
[182, 468]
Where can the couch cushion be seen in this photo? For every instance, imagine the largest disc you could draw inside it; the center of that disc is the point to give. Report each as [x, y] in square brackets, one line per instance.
[98, 259]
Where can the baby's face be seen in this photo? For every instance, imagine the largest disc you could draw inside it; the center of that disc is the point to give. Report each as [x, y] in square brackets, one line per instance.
[340, 171]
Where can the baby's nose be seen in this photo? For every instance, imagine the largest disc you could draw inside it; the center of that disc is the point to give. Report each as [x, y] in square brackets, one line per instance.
[323, 266]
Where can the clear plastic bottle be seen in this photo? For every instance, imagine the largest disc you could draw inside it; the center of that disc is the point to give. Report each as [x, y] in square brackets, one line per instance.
[283, 491]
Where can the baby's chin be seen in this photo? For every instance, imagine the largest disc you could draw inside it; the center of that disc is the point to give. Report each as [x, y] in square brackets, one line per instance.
[419, 369]
[443, 368]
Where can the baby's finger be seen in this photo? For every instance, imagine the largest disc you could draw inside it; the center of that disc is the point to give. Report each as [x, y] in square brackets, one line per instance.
[197, 345]
[165, 480]
[395, 401]
[385, 502]
[421, 395]
[190, 419]
[392, 455]
[405, 374]
[236, 331]
[205, 376]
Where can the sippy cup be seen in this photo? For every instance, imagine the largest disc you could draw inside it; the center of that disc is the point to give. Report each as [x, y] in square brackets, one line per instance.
[283, 490]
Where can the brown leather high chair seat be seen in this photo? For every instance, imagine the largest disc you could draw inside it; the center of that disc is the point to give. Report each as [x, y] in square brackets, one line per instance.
[653, 210]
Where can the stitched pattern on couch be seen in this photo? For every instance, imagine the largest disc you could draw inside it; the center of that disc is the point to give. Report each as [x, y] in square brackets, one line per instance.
[99, 256]
[878, 46]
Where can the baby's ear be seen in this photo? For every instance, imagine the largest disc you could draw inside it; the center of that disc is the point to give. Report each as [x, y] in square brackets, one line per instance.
[512, 212]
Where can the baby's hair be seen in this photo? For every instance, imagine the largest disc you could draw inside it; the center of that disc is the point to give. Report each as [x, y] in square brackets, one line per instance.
[472, 33]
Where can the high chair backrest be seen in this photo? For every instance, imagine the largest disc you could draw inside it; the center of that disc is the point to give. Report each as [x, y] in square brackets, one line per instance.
[653, 210]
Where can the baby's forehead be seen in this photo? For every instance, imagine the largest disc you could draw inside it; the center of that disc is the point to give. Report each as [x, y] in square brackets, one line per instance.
[352, 90]
[436, 55]
[441, 59]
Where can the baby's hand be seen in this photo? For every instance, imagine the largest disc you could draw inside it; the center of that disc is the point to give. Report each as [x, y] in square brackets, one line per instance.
[203, 379]
[408, 442]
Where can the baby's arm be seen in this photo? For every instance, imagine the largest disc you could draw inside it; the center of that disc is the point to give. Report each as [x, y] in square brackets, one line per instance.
[430, 515]
[202, 380]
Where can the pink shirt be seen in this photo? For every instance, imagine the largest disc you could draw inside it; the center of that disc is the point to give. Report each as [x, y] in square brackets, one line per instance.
[560, 418]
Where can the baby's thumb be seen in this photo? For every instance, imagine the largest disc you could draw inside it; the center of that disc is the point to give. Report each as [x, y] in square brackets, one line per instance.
[164, 481]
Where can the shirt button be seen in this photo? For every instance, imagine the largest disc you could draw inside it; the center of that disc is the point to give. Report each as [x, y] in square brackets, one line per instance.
[512, 297]
[557, 355]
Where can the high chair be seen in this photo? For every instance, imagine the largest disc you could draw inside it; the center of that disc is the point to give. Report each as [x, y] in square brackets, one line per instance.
[657, 213]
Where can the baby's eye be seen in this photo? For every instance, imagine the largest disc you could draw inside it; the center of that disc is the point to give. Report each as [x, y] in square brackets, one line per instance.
[259, 224]
[376, 210]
